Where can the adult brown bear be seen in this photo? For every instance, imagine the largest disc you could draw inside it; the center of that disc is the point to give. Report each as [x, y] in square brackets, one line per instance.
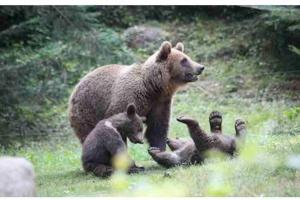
[150, 86]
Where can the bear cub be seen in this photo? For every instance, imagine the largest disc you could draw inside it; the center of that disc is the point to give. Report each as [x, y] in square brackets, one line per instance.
[107, 140]
[192, 151]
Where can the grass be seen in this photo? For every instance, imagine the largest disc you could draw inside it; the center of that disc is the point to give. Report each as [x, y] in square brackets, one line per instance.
[261, 169]
[235, 86]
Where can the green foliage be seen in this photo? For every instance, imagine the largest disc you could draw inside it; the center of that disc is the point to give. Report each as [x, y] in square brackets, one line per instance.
[126, 16]
[47, 49]
[34, 25]
[243, 79]
[294, 49]
[34, 78]
[293, 113]
[284, 22]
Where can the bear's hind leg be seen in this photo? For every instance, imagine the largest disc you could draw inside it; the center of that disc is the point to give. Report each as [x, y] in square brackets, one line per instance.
[99, 169]
[215, 121]
[103, 170]
[166, 159]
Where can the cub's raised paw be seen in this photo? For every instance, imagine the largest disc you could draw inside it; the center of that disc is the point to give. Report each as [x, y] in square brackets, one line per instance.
[215, 120]
[215, 115]
[239, 125]
[187, 120]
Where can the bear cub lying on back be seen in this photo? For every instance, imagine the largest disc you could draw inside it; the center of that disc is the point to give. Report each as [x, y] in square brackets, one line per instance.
[105, 142]
[192, 151]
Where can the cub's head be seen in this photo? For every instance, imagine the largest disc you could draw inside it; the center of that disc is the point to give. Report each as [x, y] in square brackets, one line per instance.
[133, 128]
[182, 68]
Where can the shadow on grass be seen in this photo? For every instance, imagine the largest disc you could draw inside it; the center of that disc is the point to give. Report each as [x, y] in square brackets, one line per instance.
[74, 175]
[78, 175]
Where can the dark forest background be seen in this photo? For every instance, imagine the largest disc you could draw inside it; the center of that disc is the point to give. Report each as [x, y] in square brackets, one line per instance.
[45, 50]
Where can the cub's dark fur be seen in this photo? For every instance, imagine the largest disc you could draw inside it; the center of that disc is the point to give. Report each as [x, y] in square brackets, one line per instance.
[191, 151]
[107, 140]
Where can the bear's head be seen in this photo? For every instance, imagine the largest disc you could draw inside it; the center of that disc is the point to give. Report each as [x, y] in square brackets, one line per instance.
[133, 126]
[180, 67]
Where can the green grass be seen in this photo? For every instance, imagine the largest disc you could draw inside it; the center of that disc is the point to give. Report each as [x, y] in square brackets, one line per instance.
[260, 170]
[238, 88]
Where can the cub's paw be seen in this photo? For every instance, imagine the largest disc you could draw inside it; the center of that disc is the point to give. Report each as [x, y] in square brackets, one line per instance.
[215, 120]
[187, 120]
[175, 144]
[171, 143]
[215, 117]
[154, 150]
[135, 169]
[240, 125]
[170, 140]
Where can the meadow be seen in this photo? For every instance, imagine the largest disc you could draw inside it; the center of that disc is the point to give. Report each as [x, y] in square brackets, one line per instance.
[242, 79]
[266, 166]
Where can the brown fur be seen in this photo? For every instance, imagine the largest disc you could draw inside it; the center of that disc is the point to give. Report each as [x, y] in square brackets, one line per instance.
[150, 86]
[193, 150]
[105, 141]
[182, 153]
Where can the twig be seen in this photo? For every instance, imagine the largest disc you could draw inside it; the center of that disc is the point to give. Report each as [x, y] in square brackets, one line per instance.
[66, 18]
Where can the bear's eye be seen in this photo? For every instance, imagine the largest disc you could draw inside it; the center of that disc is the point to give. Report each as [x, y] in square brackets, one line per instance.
[184, 62]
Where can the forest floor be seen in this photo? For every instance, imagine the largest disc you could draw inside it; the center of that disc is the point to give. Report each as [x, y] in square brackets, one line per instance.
[239, 86]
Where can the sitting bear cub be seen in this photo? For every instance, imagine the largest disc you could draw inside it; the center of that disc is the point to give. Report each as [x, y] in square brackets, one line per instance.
[105, 141]
[191, 151]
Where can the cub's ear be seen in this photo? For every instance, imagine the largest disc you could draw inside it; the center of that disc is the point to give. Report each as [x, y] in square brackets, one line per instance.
[164, 51]
[131, 110]
[179, 46]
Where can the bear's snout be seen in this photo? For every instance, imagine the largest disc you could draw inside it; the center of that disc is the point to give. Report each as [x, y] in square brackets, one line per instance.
[199, 69]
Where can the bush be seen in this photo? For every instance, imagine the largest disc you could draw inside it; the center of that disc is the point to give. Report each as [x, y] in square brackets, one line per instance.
[33, 80]
[45, 50]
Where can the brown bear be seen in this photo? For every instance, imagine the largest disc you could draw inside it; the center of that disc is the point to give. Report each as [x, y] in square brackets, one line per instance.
[105, 142]
[192, 151]
[150, 86]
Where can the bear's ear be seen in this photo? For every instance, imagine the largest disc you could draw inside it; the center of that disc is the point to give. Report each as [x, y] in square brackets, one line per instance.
[164, 51]
[179, 47]
[131, 110]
